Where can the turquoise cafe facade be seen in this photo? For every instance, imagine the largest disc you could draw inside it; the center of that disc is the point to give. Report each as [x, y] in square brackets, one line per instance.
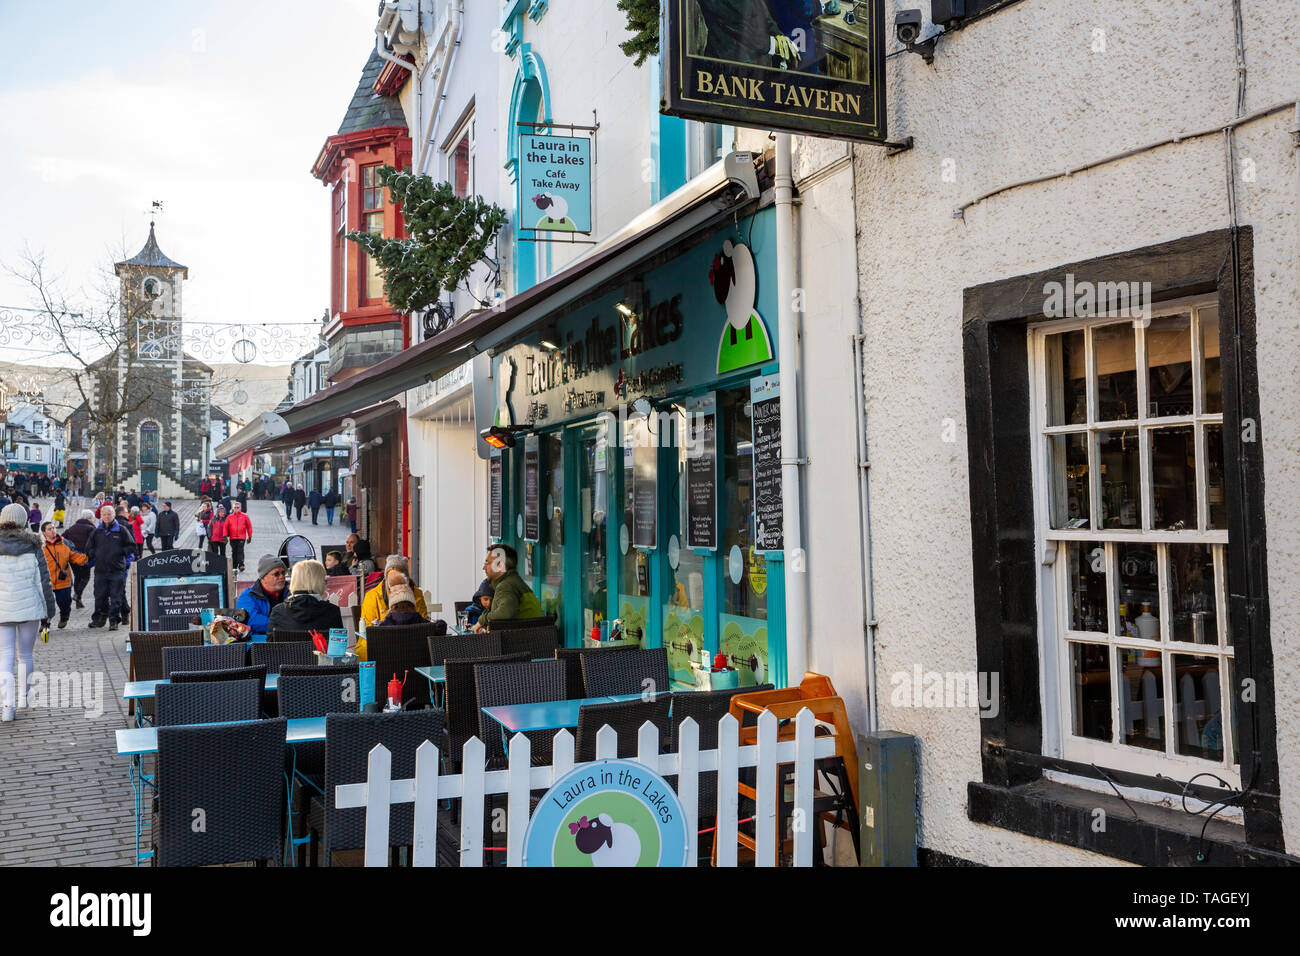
[630, 492]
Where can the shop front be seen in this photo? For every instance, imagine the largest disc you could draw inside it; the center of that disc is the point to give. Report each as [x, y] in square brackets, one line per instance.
[644, 481]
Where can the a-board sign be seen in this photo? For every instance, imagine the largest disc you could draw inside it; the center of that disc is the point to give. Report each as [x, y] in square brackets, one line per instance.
[494, 496]
[769, 522]
[532, 488]
[180, 582]
[297, 547]
[645, 501]
[611, 813]
[701, 479]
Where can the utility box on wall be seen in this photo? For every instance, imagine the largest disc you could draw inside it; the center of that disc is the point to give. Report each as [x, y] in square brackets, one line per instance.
[887, 784]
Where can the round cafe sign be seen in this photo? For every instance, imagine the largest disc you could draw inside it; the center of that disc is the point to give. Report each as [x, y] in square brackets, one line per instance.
[608, 813]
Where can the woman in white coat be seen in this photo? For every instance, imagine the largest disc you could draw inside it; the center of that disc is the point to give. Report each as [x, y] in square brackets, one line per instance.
[26, 599]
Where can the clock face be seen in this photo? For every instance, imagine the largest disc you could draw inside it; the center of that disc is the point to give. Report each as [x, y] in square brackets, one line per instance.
[153, 287]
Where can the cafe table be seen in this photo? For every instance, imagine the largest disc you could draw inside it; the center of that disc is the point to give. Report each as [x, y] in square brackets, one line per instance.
[546, 715]
[137, 742]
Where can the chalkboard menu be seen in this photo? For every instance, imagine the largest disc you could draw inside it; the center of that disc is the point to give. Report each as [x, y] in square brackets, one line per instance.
[645, 498]
[180, 582]
[769, 526]
[701, 522]
[494, 497]
[532, 503]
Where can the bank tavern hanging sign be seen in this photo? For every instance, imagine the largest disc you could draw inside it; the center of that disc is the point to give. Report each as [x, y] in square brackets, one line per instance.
[804, 66]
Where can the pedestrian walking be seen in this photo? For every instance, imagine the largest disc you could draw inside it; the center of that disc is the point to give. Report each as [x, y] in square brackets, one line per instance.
[111, 549]
[168, 526]
[149, 523]
[77, 538]
[299, 500]
[34, 516]
[330, 501]
[313, 503]
[352, 515]
[217, 531]
[239, 531]
[286, 499]
[60, 508]
[26, 603]
[60, 559]
[137, 529]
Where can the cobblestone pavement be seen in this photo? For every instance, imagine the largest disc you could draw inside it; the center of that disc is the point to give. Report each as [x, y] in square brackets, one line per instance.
[67, 795]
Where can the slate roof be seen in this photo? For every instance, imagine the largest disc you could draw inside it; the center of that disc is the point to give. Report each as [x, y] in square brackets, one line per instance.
[368, 109]
[151, 256]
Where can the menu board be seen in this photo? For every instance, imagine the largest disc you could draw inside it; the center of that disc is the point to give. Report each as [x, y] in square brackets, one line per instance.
[494, 497]
[532, 503]
[181, 595]
[645, 499]
[701, 523]
[179, 582]
[769, 523]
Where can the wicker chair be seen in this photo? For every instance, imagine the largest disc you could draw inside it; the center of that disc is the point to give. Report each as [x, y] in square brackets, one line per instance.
[349, 739]
[233, 673]
[278, 653]
[173, 622]
[209, 702]
[608, 674]
[315, 670]
[314, 695]
[282, 635]
[572, 657]
[234, 773]
[706, 707]
[527, 682]
[209, 657]
[517, 623]
[398, 651]
[146, 657]
[460, 694]
[626, 717]
[443, 649]
[539, 642]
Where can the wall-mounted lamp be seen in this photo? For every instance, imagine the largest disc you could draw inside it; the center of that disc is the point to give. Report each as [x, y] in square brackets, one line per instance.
[627, 312]
[499, 437]
[550, 338]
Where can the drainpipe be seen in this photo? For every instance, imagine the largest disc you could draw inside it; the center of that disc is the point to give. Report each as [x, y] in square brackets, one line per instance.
[410, 68]
[796, 578]
[440, 97]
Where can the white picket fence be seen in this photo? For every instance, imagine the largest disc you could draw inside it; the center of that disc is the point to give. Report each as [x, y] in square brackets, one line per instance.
[474, 783]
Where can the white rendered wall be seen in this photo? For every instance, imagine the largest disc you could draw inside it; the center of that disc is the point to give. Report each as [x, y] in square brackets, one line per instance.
[1020, 94]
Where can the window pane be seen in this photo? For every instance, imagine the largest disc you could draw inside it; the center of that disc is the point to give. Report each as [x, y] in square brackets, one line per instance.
[1116, 355]
[1169, 364]
[1191, 594]
[368, 176]
[1214, 487]
[550, 551]
[1139, 592]
[1173, 478]
[742, 595]
[1069, 469]
[1119, 457]
[1142, 723]
[1197, 707]
[1067, 394]
[460, 168]
[1090, 670]
[1209, 317]
[1087, 584]
[375, 223]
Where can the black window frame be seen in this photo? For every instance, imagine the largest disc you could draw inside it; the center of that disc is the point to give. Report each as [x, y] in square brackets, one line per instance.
[1012, 793]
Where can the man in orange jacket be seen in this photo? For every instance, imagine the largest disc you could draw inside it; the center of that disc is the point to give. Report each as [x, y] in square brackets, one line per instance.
[239, 530]
[59, 558]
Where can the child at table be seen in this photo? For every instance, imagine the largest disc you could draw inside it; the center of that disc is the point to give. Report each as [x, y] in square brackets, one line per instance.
[480, 602]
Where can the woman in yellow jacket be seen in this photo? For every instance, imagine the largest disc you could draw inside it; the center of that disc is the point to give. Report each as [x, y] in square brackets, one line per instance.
[59, 558]
[375, 606]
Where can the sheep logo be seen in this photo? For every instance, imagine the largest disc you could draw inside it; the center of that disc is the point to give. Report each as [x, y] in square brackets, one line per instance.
[608, 813]
[554, 213]
[606, 842]
[745, 340]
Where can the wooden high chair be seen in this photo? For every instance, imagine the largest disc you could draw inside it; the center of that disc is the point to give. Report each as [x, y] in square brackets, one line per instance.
[817, 693]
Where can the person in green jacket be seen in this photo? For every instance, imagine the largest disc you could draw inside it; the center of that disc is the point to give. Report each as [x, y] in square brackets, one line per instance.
[511, 597]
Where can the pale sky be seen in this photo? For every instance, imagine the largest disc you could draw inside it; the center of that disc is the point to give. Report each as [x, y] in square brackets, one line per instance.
[216, 107]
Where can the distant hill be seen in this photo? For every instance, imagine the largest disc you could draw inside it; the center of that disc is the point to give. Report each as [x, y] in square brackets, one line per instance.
[261, 386]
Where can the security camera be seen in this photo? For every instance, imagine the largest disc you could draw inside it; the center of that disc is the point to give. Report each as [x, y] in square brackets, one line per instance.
[907, 26]
[742, 180]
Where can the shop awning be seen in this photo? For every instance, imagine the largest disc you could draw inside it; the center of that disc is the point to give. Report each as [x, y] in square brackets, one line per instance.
[264, 427]
[696, 207]
[241, 461]
[331, 426]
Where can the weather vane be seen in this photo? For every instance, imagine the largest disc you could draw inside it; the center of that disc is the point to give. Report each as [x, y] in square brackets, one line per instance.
[155, 208]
